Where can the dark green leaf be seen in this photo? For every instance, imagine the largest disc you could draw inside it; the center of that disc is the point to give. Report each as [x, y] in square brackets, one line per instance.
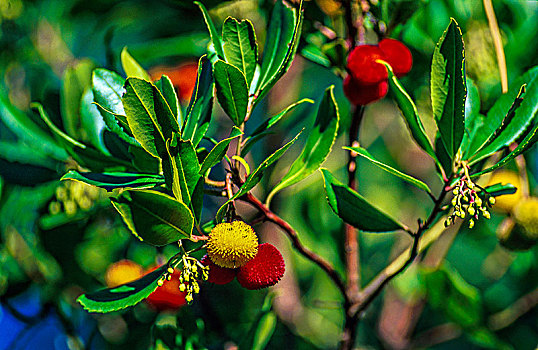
[365, 154]
[22, 153]
[107, 92]
[149, 116]
[240, 46]
[410, 114]
[318, 145]
[232, 90]
[442, 155]
[448, 89]
[215, 37]
[123, 296]
[355, 209]
[270, 122]
[500, 111]
[168, 91]
[255, 177]
[473, 119]
[27, 131]
[280, 46]
[452, 295]
[131, 67]
[198, 113]
[111, 181]
[218, 152]
[154, 217]
[74, 82]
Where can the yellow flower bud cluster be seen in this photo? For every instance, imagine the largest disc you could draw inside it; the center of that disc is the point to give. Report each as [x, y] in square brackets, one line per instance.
[192, 272]
[72, 195]
[468, 200]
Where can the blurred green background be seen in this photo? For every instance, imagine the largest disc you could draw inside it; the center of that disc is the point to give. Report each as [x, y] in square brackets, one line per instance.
[57, 239]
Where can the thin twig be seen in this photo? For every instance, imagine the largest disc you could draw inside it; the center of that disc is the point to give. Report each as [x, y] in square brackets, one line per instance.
[497, 42]
[509, 315]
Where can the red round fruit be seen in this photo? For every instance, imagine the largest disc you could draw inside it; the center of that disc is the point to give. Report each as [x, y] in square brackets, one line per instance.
[217, 274]
[362, 64]
[361, 94]
[265, 270]
[397, 55]
[167, 297]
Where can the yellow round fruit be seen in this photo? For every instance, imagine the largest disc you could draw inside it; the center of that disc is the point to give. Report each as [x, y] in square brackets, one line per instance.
[232, 244]
[121, 272]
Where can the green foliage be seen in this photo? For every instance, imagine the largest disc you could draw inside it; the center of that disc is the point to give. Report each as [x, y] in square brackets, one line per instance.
[123, 296]
[111, 181]
[448, 88]
[154, 217]
[354, 209]
[240, 47]
[232, 90]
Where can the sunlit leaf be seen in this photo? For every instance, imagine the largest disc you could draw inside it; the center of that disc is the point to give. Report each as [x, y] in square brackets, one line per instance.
[111, 181]
[232, 90]
[240, 46]
[131, 67]
[218, 151]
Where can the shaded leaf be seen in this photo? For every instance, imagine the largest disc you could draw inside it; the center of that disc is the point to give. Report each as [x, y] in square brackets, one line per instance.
[184, 168]
[448, 90]
[131, 67]
[111, 181]
[198, 113]
[154, 217]
[218, 151]
[123, 296]
[232, 91]
[314, 54]
[215, 38]
[355, 209]
[318, 145]
[280, 46]
[92, 121]
[365, 154]
[240, 46]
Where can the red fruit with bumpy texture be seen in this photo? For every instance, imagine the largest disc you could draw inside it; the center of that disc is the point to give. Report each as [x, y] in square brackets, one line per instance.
[265, 270]
[362, 64]
[217, 274]
[360, 94]
[167, 297]
[397, 55]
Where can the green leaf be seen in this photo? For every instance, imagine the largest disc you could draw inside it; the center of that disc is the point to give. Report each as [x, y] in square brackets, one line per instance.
[215, 37]
[318, 145]
[448, 89]
[232, 91]
[240, 46]
[264, 331]
[199, 109]
[107, 87]
[355, 209]
[499, 189]
[149, 116]
[410, 114]
[473, 119]
[92, 121]
[28, 131]
[528, 141]
[154, 217]
[442, 155]
[280, 46]
[255, 177]
[185, 168]
[131, 67]
[452, 295]
[168, 91]
[59, 133]
[113, 180]
[521, 104]
[365, 154]
[123, 296]
[501, 109]
[314, 54]
[74, 82]
[218, 152]
[22, 153]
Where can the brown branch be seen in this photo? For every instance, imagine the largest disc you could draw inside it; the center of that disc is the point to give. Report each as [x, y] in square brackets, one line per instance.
[351, 242]
[350, 22]
[509, 315]
[497, 42]
[292, 235]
